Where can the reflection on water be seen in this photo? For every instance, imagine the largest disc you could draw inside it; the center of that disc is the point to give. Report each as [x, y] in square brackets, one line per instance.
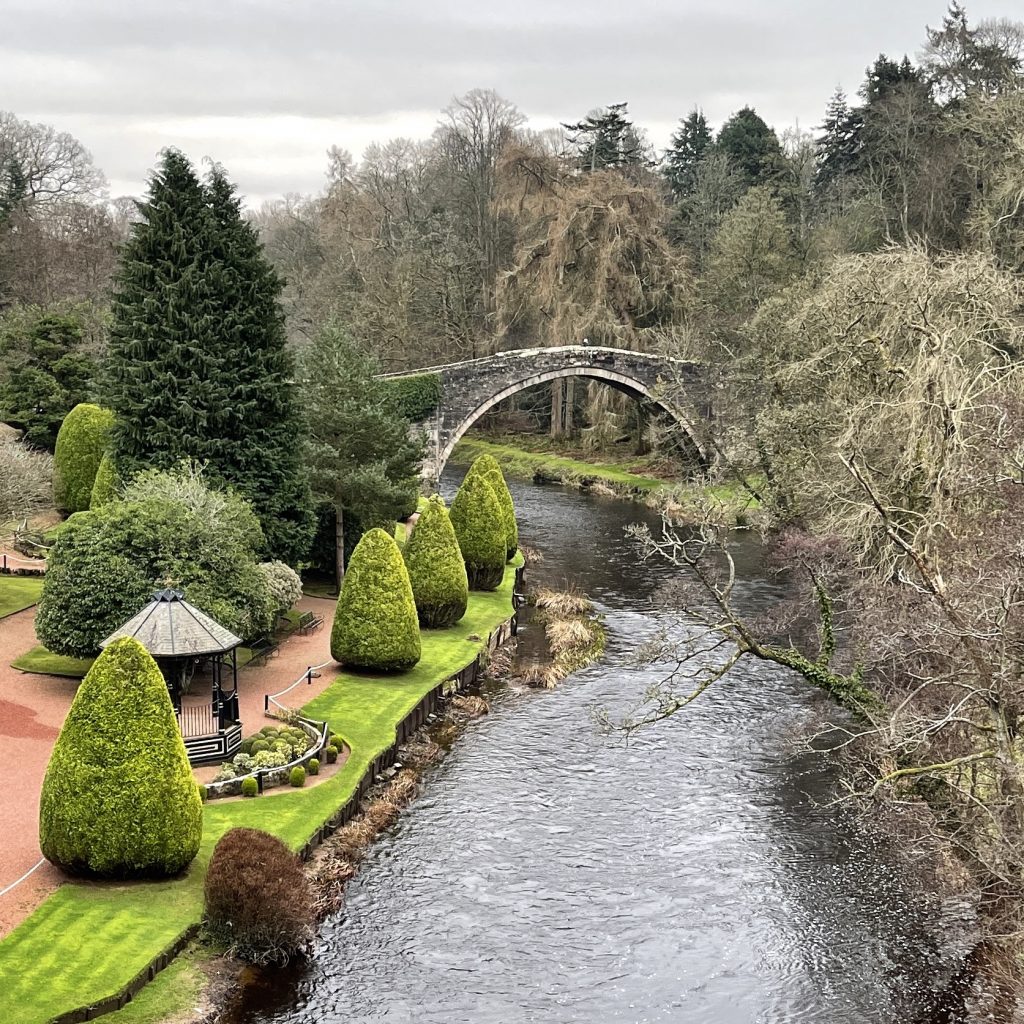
[550, 874]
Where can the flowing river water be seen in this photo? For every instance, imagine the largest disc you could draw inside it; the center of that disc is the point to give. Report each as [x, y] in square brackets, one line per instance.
[698, 874]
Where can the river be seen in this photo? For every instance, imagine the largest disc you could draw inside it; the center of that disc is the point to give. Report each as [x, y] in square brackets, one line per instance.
[697, 874]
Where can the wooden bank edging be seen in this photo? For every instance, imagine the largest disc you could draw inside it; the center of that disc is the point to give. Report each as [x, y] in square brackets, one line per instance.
[412, 721]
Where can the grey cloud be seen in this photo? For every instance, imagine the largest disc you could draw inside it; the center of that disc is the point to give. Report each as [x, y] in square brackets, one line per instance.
[143, 62]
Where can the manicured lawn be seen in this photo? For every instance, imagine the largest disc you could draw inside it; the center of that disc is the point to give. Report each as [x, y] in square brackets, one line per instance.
[46, 663]
[18, 593]
[86, 941]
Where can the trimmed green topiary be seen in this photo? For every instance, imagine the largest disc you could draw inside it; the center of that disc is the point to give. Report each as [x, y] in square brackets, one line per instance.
[203, 794]
[119, 799]
[258, 745]
[250, 787]
[83, 438]
[106, 484]
[375, 626]
[488, 465]
[297, 778]
[480, 528]
[331, 753]
[337, 741]
[313, 766]
[436, 569]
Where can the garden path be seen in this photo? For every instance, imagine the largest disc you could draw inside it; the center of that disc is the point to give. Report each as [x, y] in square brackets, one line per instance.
[33, 708]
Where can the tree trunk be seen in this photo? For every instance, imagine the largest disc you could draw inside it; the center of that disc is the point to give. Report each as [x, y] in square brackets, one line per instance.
[339, 544]
[570, 406]
[556, 407]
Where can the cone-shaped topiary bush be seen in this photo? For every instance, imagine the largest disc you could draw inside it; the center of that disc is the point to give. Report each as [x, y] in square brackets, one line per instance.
[480, 529]
[488, 465]
[258, 902]
[436, 569]
[104, 487]
[119, 799]
[83, 438]
[375, 626]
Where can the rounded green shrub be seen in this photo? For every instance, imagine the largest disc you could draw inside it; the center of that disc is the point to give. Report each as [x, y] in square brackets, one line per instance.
[258, 745]
[375, 626]
[105, 486]
[337, 741]
[250, 787]
[488, 465]
[297, 778]
[313, 766]
[331, 753]
[83, 438]
[203, 793]
[480, 528]
[119, 799]
[257, 900]
[437, 572]
[105, 564]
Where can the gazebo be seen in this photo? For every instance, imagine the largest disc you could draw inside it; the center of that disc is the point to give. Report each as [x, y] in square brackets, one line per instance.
[181, 637]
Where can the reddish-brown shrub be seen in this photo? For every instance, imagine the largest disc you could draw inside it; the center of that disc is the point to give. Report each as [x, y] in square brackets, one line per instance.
[258, 903]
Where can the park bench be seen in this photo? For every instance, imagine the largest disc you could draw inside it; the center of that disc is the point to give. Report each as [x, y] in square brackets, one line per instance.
[310, 621]
[261, 650]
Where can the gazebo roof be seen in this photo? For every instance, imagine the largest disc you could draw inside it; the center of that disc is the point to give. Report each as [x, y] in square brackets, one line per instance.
[170, 627]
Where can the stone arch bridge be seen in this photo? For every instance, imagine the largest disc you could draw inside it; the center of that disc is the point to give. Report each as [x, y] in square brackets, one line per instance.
[447, 400]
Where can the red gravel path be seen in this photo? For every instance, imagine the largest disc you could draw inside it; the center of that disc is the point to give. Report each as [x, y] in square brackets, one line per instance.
[32, 710]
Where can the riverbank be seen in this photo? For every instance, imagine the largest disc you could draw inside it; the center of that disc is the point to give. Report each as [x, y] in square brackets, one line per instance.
[654, 482]
[88, 941]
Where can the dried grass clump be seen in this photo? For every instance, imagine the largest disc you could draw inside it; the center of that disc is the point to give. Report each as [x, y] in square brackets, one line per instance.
[420, 752]
[543, 677]
[531, 555]
[562, 603]
[568, 635]
[402, 789]
[469, 706]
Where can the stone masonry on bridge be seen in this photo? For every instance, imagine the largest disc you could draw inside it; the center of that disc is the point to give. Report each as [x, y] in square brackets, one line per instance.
[468, 389]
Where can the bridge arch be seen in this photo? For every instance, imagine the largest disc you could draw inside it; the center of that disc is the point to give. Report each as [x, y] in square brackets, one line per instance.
[621, 382]
[466, 390]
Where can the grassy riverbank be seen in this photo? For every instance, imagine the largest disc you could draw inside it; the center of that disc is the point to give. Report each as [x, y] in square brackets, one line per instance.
[88, 940]
[655, 482]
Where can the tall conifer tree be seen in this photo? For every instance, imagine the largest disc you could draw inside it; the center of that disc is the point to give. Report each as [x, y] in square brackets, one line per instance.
[690, 142]
[198, 366]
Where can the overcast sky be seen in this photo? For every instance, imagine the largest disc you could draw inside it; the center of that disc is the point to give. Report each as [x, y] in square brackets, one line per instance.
[265, 87]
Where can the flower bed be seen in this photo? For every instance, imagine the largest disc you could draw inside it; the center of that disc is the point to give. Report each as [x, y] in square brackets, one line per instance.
[270, 755]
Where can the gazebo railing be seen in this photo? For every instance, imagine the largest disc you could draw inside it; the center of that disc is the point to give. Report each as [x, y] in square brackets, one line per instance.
[195, 720]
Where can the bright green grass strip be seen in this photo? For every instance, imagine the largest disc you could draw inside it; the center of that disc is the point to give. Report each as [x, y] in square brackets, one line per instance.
[525, 464]
[86, 941]
[172, 990]
[18, 593]
[46, 663]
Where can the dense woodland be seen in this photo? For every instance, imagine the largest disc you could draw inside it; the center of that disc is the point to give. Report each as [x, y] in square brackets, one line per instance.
[856, 294]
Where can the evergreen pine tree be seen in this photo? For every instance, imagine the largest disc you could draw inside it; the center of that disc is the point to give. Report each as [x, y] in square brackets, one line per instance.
[691, 141]
[606, 139]
[198, 367]
[839, 142]
[751, 146]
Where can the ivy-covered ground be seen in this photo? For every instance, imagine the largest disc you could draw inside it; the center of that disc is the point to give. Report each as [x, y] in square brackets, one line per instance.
[18, 593]
[87, 940]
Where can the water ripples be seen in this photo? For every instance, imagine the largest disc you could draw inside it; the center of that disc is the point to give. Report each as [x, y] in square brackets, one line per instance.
[552, 874]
